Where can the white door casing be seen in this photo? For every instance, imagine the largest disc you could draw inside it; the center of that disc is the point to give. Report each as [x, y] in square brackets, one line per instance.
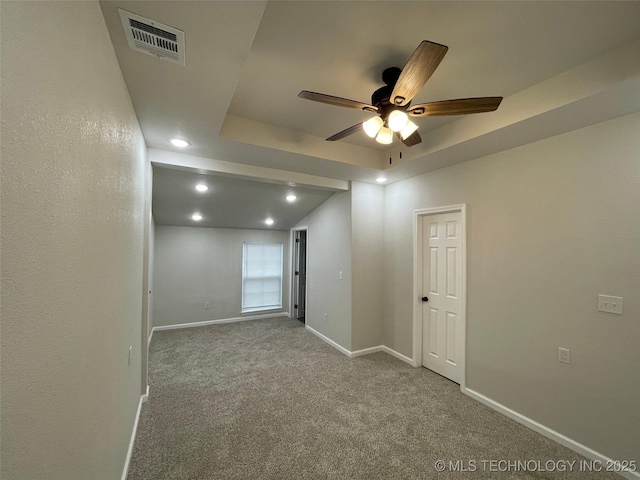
[439, 275]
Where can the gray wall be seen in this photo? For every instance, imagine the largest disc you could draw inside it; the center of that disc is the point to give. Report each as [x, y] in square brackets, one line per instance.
[73, 181]
[550, 226]
[329, 251]
[194, 265]
[367, 260]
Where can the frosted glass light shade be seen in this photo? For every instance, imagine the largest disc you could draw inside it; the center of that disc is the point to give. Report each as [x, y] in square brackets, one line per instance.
[408, 129]
[397, 120]
[385, 136]
[372, 126]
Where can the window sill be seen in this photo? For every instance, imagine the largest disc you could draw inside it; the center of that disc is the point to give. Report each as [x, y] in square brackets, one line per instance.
[260, 309]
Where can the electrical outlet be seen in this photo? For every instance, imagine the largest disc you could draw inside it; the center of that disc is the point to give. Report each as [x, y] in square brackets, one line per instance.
[564, 355]
[325, 318]
[609, 304]
[130, 353]
[207, 305]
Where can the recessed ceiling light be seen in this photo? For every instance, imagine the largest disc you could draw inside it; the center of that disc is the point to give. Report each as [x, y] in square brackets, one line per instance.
[381, 179]
[269, 221]
[178, 142]
[291, 198]
[197, 217]
[201, 187]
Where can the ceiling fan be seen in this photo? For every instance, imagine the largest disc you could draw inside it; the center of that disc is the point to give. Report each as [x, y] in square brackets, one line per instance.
[392, 102]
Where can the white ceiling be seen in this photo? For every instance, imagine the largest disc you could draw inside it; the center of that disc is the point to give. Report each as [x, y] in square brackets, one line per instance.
[229, 202]
[236, 98]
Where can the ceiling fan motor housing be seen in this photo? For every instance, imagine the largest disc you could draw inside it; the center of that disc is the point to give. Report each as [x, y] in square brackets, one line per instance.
[381, 95]
[390, 76]
[380, 98]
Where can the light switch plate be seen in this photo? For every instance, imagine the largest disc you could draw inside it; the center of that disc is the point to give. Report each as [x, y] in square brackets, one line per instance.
[610, 304]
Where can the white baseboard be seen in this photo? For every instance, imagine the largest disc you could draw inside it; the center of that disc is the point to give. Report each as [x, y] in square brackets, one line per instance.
[398, 355]
[216, 322]
[127, 460]
[150, 337]
[381, 348]
[329, 341]
[364, 351]
[145, 396]
[547, 432]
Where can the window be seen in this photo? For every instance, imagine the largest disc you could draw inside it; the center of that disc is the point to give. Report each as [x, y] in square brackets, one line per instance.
[261, 276]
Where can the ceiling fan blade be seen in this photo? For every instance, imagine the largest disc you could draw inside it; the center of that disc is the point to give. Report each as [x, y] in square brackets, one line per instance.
[411, 140]
[338, 101]
[461, 106]
[417, 71]
[345, 133]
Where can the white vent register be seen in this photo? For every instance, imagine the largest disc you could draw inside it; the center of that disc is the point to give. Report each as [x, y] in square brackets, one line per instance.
[153, 38]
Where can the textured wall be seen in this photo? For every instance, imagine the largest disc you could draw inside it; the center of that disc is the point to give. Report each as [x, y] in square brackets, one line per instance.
[550, 225]
[329, 252]
[73, 168]
[194, 265]
[367, 260]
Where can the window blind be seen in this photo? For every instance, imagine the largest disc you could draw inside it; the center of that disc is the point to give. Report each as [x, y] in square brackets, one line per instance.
[261, 276]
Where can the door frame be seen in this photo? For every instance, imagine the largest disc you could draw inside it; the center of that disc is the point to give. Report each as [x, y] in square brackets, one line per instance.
[292, 272]
[418, 220]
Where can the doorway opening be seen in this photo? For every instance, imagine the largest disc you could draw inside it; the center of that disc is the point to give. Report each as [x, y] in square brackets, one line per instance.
[439, 319]
[299, 273]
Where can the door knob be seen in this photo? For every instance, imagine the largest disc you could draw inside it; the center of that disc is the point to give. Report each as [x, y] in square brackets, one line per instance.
[425, 299]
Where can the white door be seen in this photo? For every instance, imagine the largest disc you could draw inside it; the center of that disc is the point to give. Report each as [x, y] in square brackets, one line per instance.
[442, 336]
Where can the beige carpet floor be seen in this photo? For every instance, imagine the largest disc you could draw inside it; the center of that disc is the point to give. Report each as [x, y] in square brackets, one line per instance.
[267, 399]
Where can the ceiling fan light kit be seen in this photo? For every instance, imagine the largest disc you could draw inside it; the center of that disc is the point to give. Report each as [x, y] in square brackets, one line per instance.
[385, 136]
[372, 126]
[392, 102]
[408, 130]
[397, 120]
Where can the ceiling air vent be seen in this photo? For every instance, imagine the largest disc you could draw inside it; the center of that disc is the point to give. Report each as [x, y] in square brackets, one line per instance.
[153, 38]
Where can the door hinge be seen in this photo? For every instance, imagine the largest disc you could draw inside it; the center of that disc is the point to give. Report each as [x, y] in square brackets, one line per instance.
[295, 306]
[297, 273]
[297, 240]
